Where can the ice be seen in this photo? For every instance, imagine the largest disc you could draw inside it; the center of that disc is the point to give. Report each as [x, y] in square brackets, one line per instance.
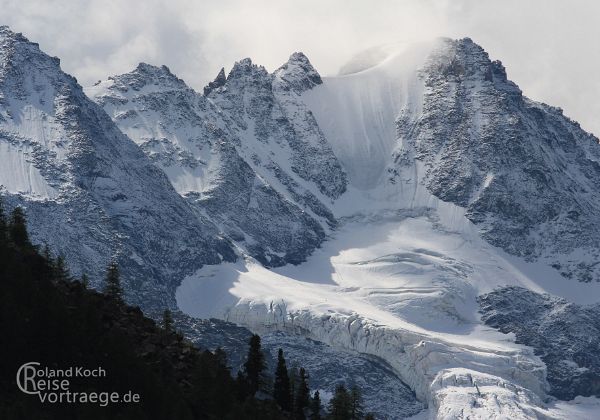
[399, 277]
[580, 408]
[402, 288]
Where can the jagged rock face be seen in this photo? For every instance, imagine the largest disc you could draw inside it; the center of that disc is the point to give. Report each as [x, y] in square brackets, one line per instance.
[219, 81]
[564, 334]
[527, 175]
[88, 190]
[298, 74]
[252, 160]
[268, 109]
[457, 139]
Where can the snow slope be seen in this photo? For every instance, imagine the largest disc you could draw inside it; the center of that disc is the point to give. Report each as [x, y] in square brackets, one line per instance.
[403, 189]
[403, 288]
[87, 189]
[248, 154]
[399, 278]
[357, 112]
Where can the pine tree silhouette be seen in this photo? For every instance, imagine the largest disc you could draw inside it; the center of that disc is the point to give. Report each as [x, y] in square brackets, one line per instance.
[281, 387]
[339, 405]
[302, 397]
[293, 374]
[221, 357]
[60, 270]
[356, 410]
[254, 365]
[112, 285]
[85, 280]
[18, 228]
[315, 406]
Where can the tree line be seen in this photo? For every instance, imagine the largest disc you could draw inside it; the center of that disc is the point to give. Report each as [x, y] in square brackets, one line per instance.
[50, 316]
[292, 393]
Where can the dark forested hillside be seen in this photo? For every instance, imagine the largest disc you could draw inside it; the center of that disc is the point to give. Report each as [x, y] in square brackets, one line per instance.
[50, 318]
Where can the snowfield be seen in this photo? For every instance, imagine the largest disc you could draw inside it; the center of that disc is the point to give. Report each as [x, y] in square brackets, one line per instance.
[402, 287]
[370, 211]
[400, 276]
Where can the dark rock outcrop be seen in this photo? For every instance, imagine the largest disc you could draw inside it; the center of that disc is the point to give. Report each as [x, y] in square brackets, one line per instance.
[565, 335]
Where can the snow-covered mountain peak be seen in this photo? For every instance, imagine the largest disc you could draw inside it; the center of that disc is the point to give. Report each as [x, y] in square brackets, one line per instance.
[298, 74]
[244, 69]
[26, 72]
[462, 60]
[451, 170]
[245, 153]
[383, 201]
[144, 79]
[14, 42]
[88, 190]
[5, 32]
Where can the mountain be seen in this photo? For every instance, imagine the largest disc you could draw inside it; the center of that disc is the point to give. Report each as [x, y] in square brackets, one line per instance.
[457, 185]
[391, 210]
[248, 155]
[88, 190]
[564, 334]
[527, 175]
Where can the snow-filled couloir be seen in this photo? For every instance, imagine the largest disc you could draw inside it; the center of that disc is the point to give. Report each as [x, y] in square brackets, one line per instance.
[375, 210]
[457, 185]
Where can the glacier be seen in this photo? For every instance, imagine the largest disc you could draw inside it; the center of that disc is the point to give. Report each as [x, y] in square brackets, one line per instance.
[374, 211]
[327, 366]
[400, 276]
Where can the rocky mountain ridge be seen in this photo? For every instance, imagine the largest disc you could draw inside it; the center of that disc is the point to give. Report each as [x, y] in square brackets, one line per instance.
[88, 190]
[244, 154]
[527, 175]
[369, 209]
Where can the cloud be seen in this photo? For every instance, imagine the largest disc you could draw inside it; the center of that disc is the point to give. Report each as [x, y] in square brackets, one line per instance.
[546, 45]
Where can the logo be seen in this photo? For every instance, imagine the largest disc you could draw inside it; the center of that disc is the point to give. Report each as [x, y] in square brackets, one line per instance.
[53, 385]
[25, 378]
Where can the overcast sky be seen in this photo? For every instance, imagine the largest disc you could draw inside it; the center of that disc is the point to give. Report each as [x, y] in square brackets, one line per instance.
[549, 47]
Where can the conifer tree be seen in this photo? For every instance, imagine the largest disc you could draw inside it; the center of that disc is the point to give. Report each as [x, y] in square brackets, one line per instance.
[60, 270]
[85, 280]
[241, 385]
[281, 387]
[112, 285]
[3, 224]
[254, 365]
[339, 405]
[302, 396]
[18, 228]
[315, 406]
[355, 398]
[221, 357]
[167, 321]
[293, 374]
